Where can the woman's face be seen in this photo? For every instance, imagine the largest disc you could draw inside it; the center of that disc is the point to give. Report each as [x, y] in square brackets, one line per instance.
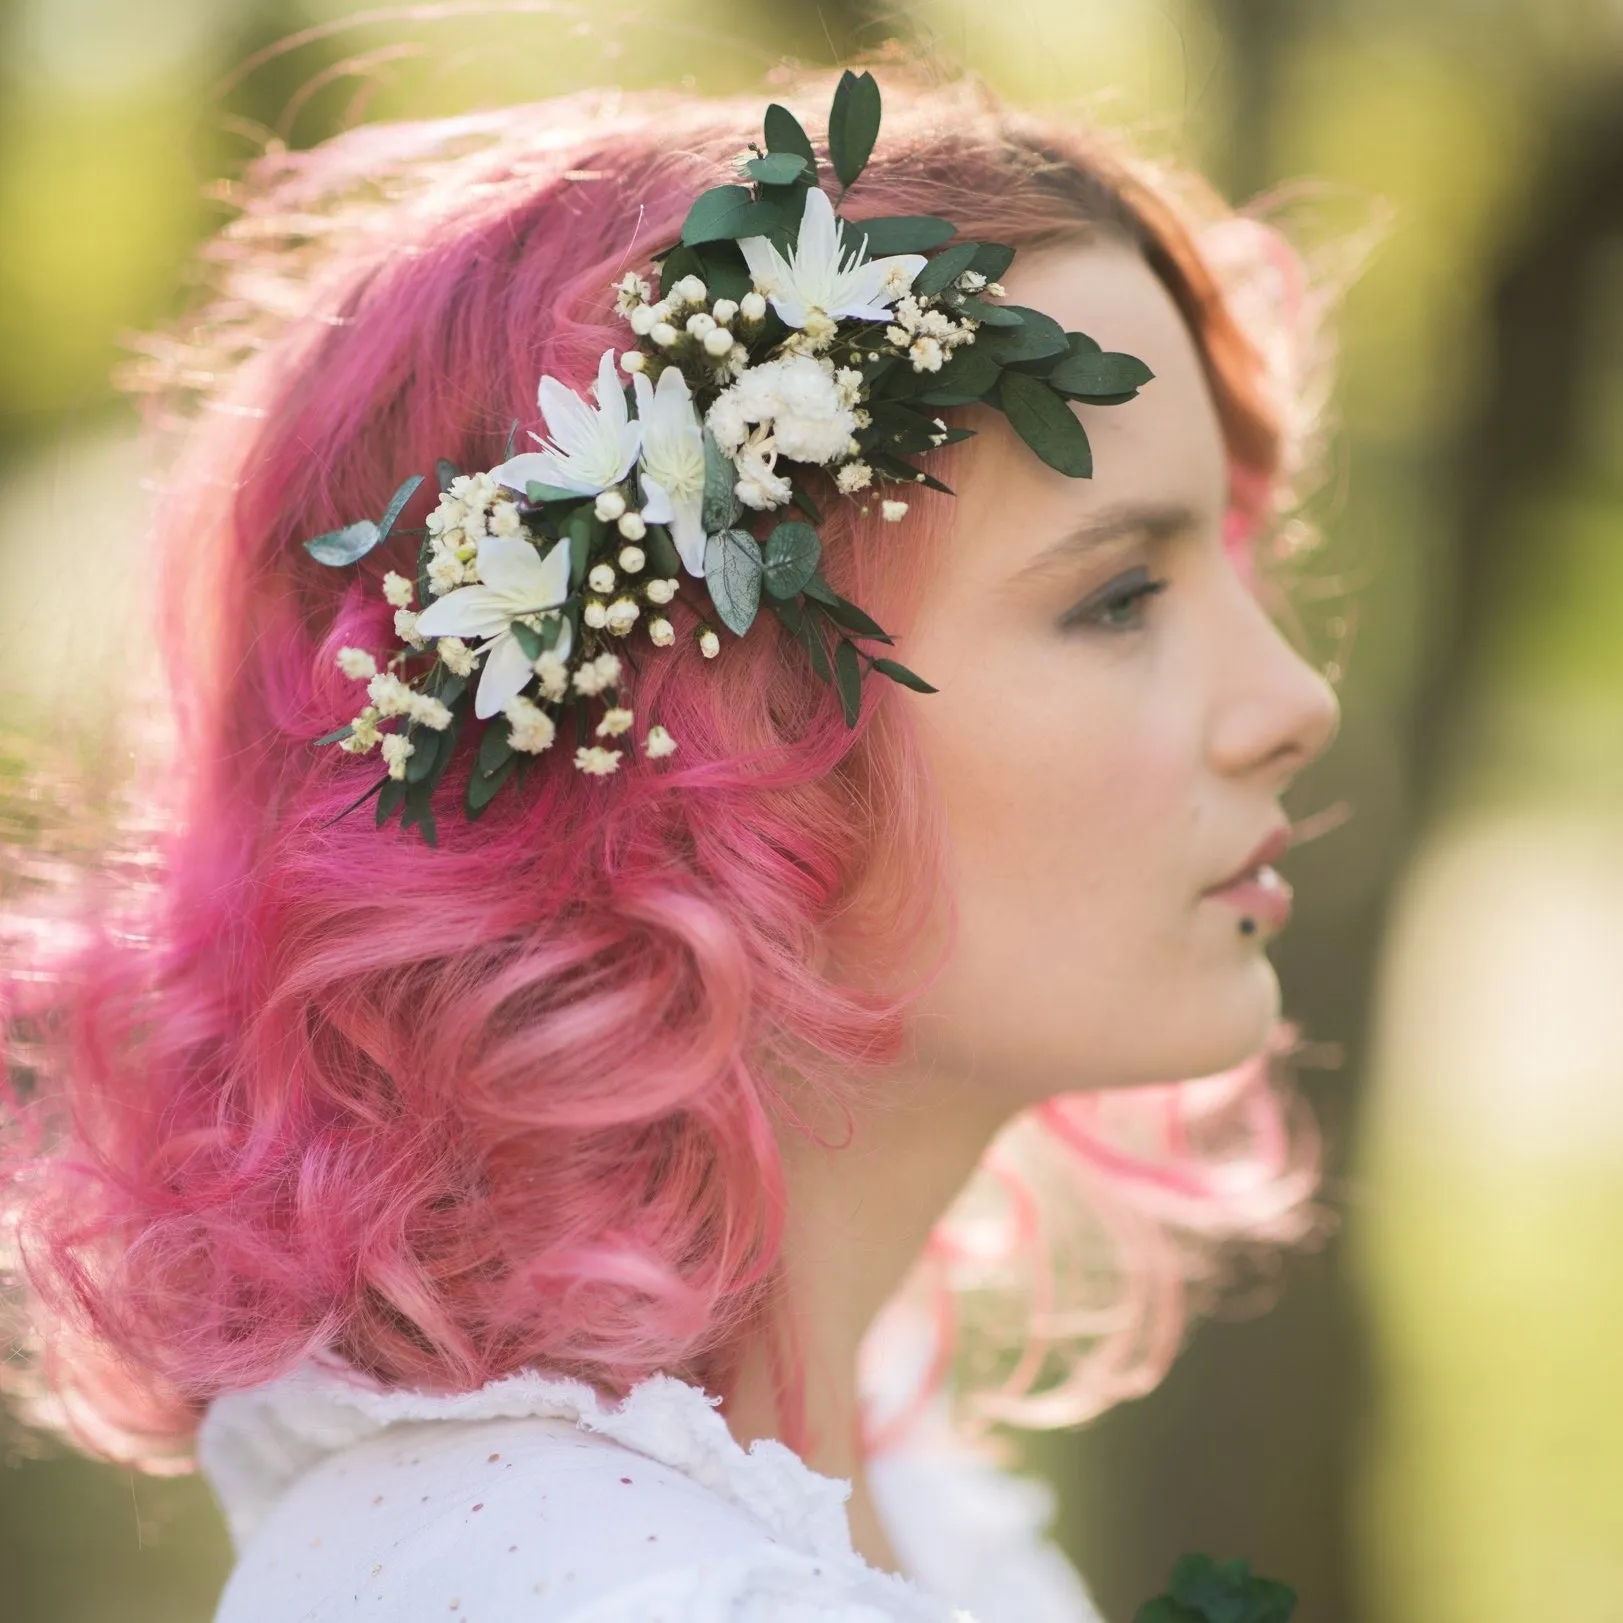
[1103, 757]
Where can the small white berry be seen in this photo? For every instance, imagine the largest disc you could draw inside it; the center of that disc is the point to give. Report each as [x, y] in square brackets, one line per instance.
[660, 591]
[752, 306]
[601, 578]
[701, 323]
[595, 614]
[632, 559]
[718, 341]
[663, 334]
[622, 615]
[691, 290]
[633, 526]
[724, 310]
[633, 361]
[610, 504]
[642, 320]
[709, 643]
[661, 633]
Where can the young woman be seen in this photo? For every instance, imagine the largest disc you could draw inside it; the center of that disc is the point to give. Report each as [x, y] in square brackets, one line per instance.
[509, 1223]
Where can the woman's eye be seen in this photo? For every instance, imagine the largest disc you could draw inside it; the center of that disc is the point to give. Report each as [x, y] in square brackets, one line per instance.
[1117, 606]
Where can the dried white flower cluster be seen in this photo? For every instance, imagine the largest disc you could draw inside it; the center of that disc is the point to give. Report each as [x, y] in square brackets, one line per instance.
[927, 334]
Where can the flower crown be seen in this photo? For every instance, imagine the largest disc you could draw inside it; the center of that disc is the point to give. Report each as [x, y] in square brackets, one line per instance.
[783, 339]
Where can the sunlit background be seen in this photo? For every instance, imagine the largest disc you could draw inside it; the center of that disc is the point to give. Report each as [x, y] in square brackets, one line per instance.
[1428, 1425]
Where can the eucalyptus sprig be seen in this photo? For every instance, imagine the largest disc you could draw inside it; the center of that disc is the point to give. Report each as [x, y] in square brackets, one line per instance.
[1205, 1591]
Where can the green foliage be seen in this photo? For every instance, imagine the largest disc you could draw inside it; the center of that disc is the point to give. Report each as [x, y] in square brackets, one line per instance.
[784, 134]
[1202, 1591]
[346, 546]
[1046, 423]
[945, 268]
[778, 168]
[848, 681]
[720, 507]
[898, 672]
[1099, 374]
[790, 558]
[853, 124]
[733, 571]
[887, 234]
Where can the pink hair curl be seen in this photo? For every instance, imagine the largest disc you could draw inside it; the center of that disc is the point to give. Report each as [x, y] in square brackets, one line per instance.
[510, 1102]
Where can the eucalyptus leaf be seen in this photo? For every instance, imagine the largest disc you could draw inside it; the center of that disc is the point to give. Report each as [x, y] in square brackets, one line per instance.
[992, 259]
[719, 507]
[1046, 423]
[539, 494]
[664, 560]
[945, 268]
[444, 473]
[733, 572]
[483, 787]
[527, 638]
[785, 134]
[968, 376]
[778, 168]
[853, 124]
[724, 272]
[1037, 336]
[898, 672]
[790, 558]
[848, 680]
[512, 440]
[994, 315]
[716, 214]
[888, 234]
[336, 734]
[397, 504]
[345, 546]
[811, 639]
[1102, 373]
[389, 799]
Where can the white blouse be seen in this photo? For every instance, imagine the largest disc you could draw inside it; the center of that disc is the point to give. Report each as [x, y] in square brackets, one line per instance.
[533, 1501]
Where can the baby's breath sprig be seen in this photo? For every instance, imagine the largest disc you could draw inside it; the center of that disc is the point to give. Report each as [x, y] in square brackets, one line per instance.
[782, 345]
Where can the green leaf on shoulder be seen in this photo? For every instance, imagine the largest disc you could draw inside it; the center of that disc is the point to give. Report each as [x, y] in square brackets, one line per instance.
[853, 124]
[733, 571]
[1046, 423]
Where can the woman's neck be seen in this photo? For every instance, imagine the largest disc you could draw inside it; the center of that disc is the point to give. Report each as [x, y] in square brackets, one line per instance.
[858, 1217]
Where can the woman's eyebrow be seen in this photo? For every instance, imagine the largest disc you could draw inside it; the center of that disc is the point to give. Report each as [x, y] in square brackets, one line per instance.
[1160, 521]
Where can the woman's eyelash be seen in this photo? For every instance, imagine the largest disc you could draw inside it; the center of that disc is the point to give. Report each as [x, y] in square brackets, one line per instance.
[1119, 597]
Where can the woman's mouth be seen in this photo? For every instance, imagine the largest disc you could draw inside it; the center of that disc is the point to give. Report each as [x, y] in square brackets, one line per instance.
[1261, 893]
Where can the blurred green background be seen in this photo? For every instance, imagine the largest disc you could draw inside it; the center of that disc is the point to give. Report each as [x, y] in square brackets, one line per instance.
[1428, 1425]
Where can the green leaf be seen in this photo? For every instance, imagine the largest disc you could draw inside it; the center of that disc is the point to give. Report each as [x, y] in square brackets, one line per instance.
[679, 262]
[495, 748]
[425, 752]
[899, 429]
[1164, 1610]
[663, 558]
[389, 799]
[842, 612]
[888, 234]
[968, 376]
[397, 504]
[790, 558]
[1046, 423]
[898, 672]
[722, 267]
[905, 472]
[483, 787]
[733, 571]
[419, 811]
[811, 639]
[539, 494]
[799, 498]
[715, 215]
[992, 259]
[1202, 1591]
[512, 439]
[994, 315]
[853, 124]
[1104, 373]
[444, 472]
[346, 546]
[848, 679]
[784, 134]
[527, 638]
[336, 734]
[778, 168]
[1038, 335]
[719, 508]
[945, 268]
[583, 529]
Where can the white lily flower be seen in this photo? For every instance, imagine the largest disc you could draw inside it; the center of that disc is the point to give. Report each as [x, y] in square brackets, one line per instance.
[590, 450]
[673, 462]
[817, 279]
[515, 581]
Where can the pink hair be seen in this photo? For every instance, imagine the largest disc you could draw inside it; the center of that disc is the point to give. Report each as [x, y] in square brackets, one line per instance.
[449, 1113]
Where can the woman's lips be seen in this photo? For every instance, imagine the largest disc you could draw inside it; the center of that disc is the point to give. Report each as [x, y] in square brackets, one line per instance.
[1261, 892]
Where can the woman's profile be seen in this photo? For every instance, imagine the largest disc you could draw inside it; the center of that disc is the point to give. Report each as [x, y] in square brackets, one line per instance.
[537, 1152]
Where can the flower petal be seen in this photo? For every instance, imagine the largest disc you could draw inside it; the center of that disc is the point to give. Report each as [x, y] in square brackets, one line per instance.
[656, 501]
[687, 535]
[469, 611]
[819, 239]
[541, 466]
[508, 565]
[768, 267]
[791, 308]
[505, 672]
[553, 578]
[566, 638]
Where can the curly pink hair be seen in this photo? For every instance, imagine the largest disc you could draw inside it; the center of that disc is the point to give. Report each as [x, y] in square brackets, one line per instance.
[452, 1112]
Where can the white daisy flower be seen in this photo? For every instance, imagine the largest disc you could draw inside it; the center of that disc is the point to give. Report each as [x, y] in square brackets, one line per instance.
[590, 449]
[672, 465]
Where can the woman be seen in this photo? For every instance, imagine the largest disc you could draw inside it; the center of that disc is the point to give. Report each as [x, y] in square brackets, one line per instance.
[439, 1184]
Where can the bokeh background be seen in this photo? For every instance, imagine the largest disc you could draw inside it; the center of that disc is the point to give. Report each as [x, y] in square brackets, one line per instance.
[1427, 1426]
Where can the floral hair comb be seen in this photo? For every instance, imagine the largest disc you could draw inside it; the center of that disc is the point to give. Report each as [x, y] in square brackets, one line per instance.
[782, 340]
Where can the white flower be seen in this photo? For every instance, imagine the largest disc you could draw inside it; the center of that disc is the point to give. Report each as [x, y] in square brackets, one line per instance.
[406, 628]
[995, 289]
[595, 614]
[797, 396]
[505, 520]
[926, 354]
[633, 361]
[607, 667]
[601, 578]
[397, 750]
[717, 341]
[516, 582]
[690, 290]
[819, 277]
[427, 711]
[852, 477]
[752, 307]
[971, 281]
[709, 643]
[661, 633]
[552, 675]
[596, 760]
[758, 485]
[632, 559]
[529, 727]
[630, 291]
[633, 526]
[672, 467]
[615, 721]
[357, 664]
[391, 696]
[661, 591]
[892, 511]
[364, 735]
[589, 449]
[848, 385]
[609, 505]
[657, 742]
[456, 656]
[397, 590]
[622, 616]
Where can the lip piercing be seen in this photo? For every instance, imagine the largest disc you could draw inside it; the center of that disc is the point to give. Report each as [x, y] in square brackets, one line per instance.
[1248, 926]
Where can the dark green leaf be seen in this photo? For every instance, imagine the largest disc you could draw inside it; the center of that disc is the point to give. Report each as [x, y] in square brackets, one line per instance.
[539, 493]
[945, 268]
[790, 557]
[841, 611]
[784, 134]
[992, 259]
[1202, 1591]
[888, 234]
[345, 546]
[853, 124]
[722, 267]
[397, 504]
[495, 748]
[1046, 423]
[419, 811]
[777, 168]
[583, 530]
[790, 613]
[715, 215]
[732, 571]
[848, 679]
[527, 639]
[1038, 335]
[425, 752]
[663, 558]
[905, 472]
[719, 509]
[444, 473]
[800, 499]
[1101, 374]
[899, 429]
[969, 376]
[1164, 1610]
[389, 799]
[900, 673]
[512, 440]
[994, 315]
[811, 638]
[341, 732]
[679, 262]
[482, 787]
